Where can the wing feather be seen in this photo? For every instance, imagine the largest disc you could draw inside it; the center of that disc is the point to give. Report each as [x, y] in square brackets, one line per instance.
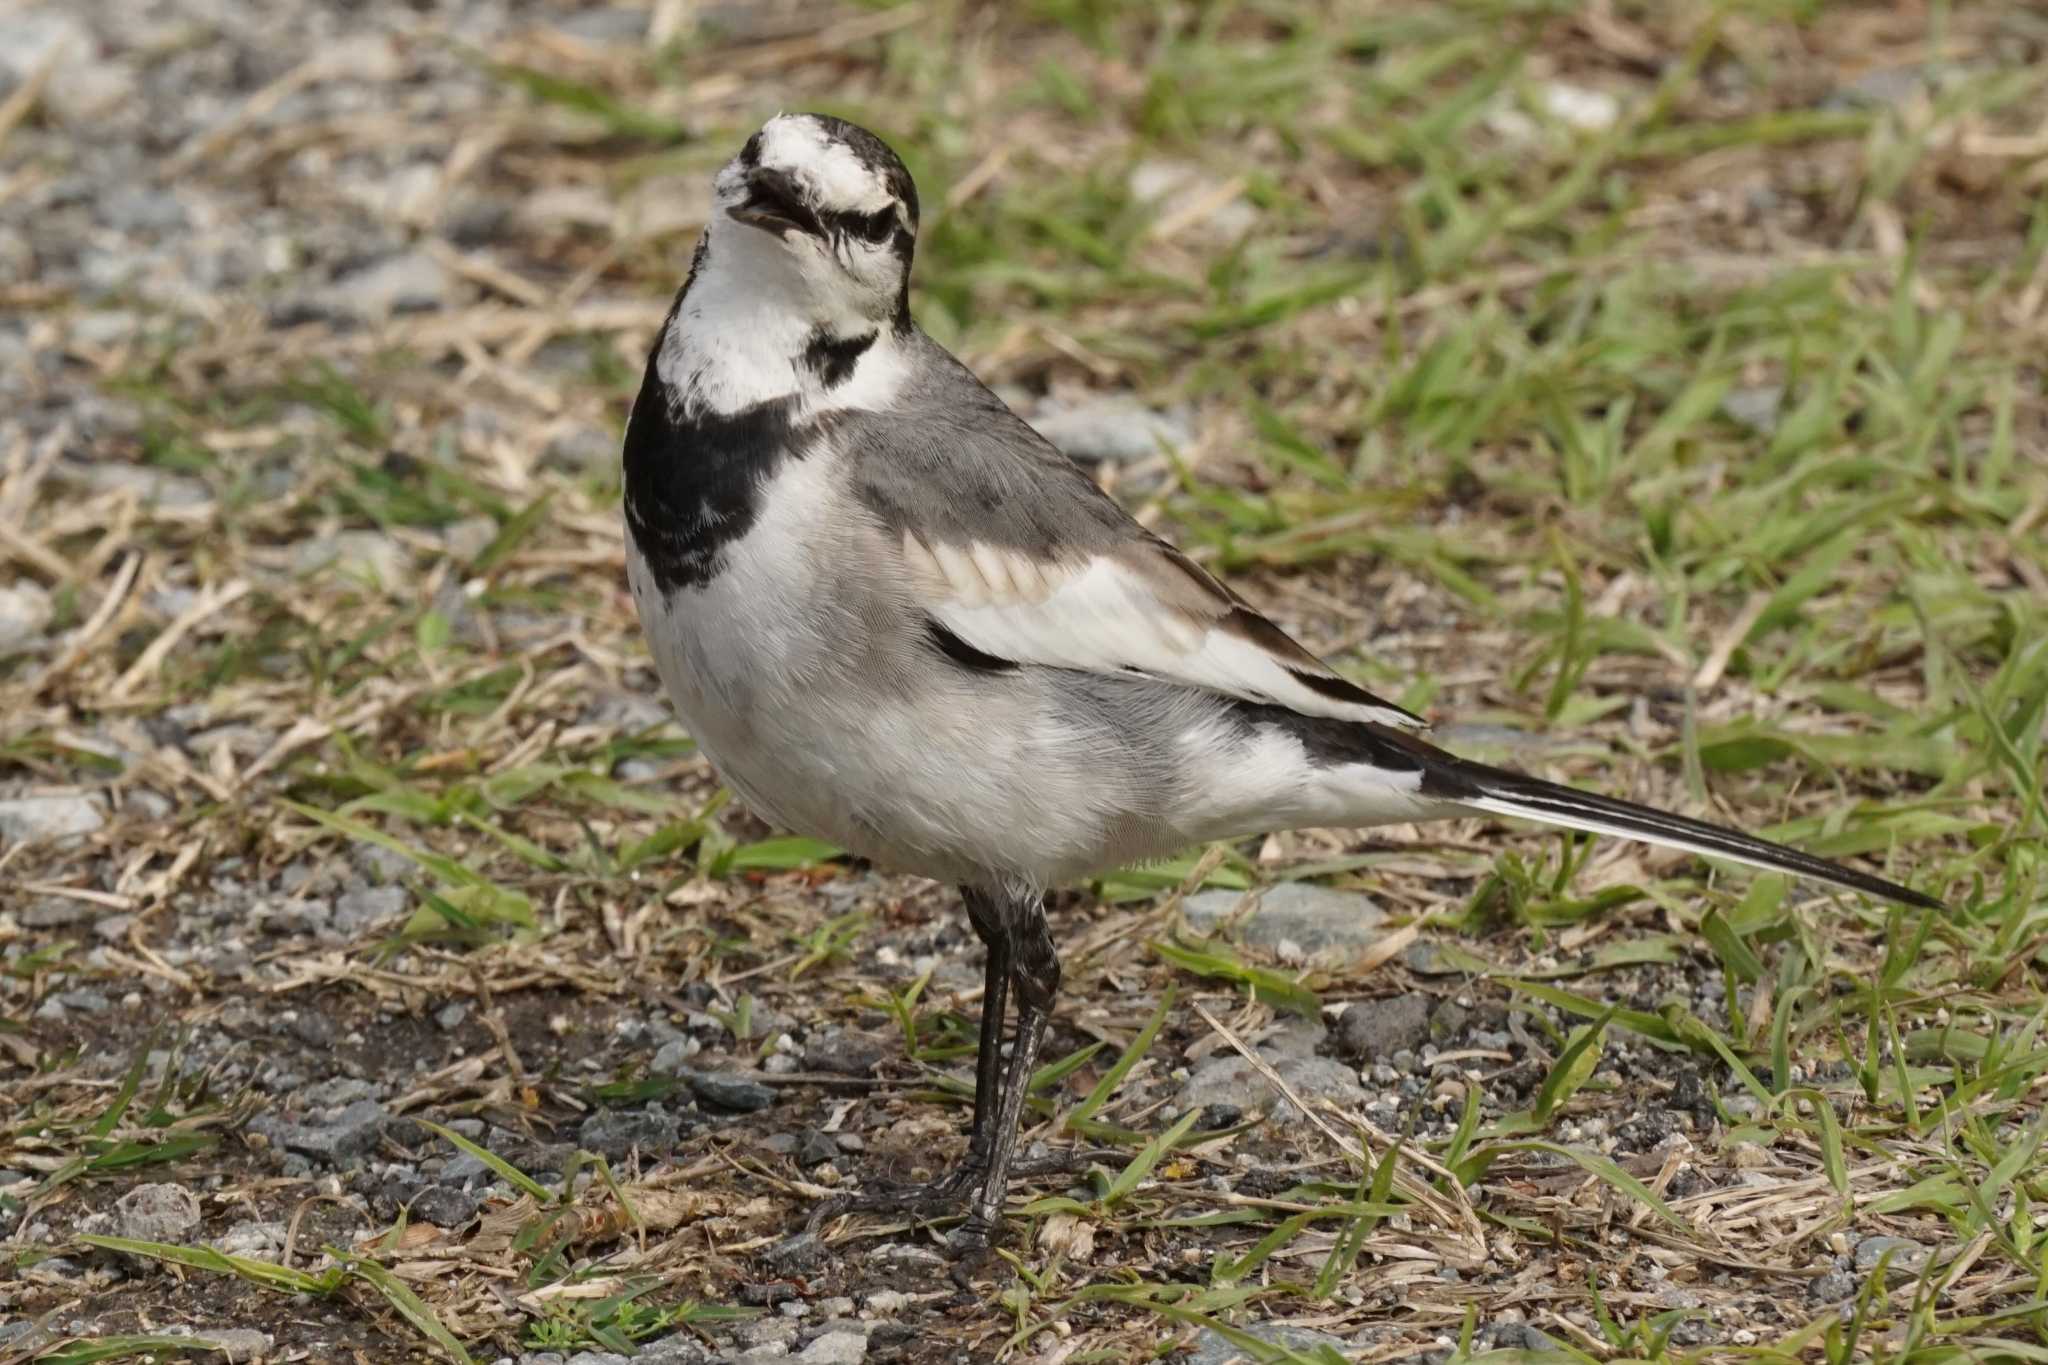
[1141, 608]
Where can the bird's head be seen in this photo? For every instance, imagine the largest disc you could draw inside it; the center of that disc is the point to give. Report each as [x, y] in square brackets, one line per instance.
[821, 208]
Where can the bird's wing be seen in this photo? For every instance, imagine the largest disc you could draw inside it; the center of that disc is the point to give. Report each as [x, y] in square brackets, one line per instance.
[1139, 607]
[1009, 547]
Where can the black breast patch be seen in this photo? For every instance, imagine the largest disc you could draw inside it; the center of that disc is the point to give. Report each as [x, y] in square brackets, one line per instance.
[694, 482]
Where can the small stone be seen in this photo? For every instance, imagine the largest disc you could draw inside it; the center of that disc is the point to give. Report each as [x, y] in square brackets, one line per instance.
[157, 1213]
[612, 1133]
[1755, 407]
[671, 1056]
[1318, 919]
[798, 1252]
[1879, 87]
[1183, 192]
[906, 1256]
[838, 1306]
[240, 1343]
[336, 1091]
[54, 912]
[836, 1348]
[362, 908]
[1234, 1081]
[444, 1206]
[1586, 110]
[33, 819]
[729, 1090]
[582, 448]
[368, 555]
[597, 1358]
[256, 1240]
[817, 1149]
[450, 1016]
[138, 209]
[1211, 1347]
[83, 85]
[887, 1301]
[1832, 1287]
[1448, 1022]
[408, 283]
[1907, 1256]
[24, 614]
[349, 1133]
[1111, 430]
[1373, 1030]
[844, 1052]
[1518, 1336]
[313, 1028]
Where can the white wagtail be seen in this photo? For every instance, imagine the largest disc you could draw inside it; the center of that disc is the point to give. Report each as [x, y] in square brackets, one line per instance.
[896, 618]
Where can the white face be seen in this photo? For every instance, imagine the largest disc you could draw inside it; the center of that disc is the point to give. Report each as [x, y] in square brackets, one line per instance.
[825, 209]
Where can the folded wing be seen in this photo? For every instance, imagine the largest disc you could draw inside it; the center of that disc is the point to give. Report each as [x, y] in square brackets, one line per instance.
[1138, 607]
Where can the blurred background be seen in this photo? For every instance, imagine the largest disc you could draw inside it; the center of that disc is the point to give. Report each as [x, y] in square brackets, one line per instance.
[1652, 391]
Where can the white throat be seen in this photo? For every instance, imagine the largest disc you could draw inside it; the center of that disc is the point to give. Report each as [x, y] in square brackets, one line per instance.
[741, 334]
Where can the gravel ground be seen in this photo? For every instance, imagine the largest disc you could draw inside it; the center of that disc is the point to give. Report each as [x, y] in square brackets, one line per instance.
[226, 1027]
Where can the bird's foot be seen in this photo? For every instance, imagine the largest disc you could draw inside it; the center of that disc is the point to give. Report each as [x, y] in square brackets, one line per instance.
[950, 1192]
[973, 1248]
[933, 1199]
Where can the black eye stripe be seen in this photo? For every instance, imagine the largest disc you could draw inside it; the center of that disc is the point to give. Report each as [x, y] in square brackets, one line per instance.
[876, 227]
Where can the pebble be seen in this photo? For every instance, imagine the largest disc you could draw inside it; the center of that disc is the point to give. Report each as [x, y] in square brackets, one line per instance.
[1111, 430]
[817, 1149]
[1755, 407]
[1318, 919]
[24, 613]
[31, 819]
[1908, 1256]
[444, 1206]
[1172, 187]
[368, 555]
[83, 86]
[728, 1090]
[1234, 1081]
[1211, 1347]
[362, 908]
[256, 1240]
[410, 282]
[613, 1133]
[240, 1343]
[159, 1212]
[451, 1015]
[844, 1052]
[1832, 1287]
[1379, 1030]
[350, 1133]
[836, 1348]
[1584, 109]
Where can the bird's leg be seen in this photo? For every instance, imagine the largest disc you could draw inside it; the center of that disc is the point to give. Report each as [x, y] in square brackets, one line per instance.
[1035, 974]
[986, 916]
[944, 1193]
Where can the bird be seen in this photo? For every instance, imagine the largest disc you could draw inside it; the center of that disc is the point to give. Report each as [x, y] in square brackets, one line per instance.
[896, 618]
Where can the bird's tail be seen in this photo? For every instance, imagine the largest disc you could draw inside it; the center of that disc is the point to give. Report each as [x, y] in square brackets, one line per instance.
[1496, 791]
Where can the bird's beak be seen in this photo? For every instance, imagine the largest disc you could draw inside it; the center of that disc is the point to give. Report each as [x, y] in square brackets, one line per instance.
[775, 203]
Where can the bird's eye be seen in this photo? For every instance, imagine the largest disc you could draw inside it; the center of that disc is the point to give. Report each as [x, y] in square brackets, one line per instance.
[878, 226]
